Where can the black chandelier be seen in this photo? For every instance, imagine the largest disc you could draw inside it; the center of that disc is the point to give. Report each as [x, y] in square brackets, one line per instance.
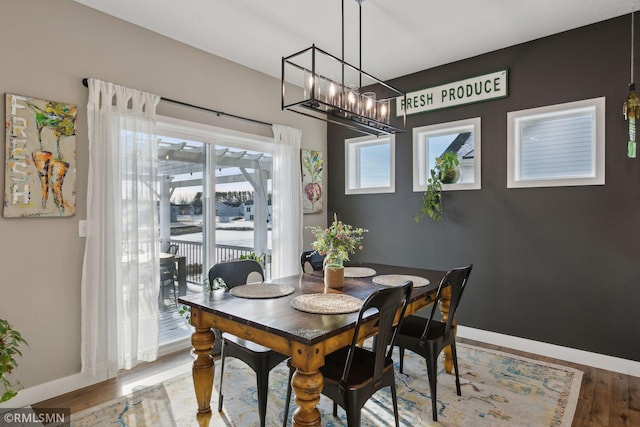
[338, 92]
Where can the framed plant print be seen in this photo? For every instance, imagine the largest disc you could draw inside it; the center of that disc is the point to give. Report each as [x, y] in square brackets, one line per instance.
[312, 171]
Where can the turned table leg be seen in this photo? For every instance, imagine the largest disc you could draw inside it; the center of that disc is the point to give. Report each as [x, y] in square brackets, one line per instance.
[202, 341]
[445, 301]
[307, 387]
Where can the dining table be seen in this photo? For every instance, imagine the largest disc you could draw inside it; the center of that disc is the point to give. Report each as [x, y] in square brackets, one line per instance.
[298, 316]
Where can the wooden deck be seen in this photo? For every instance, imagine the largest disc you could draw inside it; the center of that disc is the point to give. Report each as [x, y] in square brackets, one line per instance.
[173, 326]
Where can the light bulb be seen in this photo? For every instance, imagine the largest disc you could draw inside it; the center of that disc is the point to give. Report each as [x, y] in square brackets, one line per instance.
[352, 98]
[369, 103]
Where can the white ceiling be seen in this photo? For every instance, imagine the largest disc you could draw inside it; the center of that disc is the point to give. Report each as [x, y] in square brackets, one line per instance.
[399, 37]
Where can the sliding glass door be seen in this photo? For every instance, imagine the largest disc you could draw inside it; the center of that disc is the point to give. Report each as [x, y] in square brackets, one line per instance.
[215, 205]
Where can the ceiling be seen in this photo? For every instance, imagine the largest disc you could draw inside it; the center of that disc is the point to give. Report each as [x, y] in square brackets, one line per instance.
[399, 37]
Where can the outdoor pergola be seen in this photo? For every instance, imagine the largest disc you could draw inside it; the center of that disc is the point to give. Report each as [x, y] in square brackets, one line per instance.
[183, 165]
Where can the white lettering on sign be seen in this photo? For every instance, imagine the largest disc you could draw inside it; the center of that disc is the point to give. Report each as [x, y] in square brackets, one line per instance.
[474, 89]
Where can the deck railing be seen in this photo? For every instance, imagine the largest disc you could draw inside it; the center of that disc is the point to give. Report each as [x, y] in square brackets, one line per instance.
[193, 253]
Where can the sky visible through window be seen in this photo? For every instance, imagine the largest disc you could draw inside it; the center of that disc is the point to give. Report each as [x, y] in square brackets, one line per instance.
[375, 168]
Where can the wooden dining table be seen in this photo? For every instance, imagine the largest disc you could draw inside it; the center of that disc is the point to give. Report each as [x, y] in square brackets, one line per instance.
[307, 338]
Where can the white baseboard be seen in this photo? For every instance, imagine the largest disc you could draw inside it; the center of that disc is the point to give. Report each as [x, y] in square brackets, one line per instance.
[601, 361]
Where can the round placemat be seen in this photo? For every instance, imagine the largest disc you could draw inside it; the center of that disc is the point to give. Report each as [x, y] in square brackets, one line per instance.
[399, 279]
[326, 303]
[358, 272]
[261, 290]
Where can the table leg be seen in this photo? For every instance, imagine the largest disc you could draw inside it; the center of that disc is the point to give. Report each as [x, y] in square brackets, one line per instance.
[445, 301]
[307, 387]
[202, 341]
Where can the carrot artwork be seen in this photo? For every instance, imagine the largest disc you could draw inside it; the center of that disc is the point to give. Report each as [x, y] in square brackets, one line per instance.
[60, 118]
[40, 155]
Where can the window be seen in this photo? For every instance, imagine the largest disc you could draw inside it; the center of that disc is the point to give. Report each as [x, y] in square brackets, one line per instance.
[558, 145]
[370, 165]
[461, 137]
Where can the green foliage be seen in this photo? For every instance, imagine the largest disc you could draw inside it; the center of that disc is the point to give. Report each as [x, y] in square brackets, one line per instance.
[432, 197]
[10, 341]
[447, 161]
[261, 259]
[337, 241]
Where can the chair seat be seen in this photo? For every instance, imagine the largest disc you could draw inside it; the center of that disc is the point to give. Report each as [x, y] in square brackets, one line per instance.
[361, 370]
[244, 344]
[413, 326]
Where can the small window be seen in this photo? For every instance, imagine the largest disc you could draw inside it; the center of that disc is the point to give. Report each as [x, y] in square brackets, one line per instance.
[557, 145]
[462, 137]
[370, 165]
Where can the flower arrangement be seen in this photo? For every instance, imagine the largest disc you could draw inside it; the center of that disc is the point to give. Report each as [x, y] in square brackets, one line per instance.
[337, 241]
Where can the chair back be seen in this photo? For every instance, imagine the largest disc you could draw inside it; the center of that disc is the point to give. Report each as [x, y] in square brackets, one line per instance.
[235, 273]
[388, 302]
[172, 249]
[311, 261]
[456, 281]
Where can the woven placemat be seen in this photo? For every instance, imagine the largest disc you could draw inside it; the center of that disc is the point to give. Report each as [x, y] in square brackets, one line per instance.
[326, 303]
[399, 279]
[358, 272]
[261, 290]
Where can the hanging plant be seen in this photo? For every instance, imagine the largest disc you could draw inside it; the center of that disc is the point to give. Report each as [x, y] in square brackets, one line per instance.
[445, 172]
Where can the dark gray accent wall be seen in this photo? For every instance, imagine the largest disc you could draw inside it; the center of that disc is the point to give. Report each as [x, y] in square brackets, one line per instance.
[559, 265]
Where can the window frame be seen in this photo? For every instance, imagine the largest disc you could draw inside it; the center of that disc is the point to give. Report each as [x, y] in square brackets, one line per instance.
[352, 164]
[515, 120]
[421, 171]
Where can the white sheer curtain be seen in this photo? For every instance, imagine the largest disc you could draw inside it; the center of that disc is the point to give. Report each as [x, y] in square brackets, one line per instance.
[120, 277]
[287, 202]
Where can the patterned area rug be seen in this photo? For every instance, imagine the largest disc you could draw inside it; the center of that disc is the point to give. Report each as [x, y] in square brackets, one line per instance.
[498, 389]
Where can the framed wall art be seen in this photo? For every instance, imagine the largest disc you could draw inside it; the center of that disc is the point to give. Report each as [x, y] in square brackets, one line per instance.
[40, 169]
[312, 170]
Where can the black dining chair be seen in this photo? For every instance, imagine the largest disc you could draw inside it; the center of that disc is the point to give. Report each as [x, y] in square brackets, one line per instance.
[261, 359]
[311, 261]
[353, 374]
[428, 337]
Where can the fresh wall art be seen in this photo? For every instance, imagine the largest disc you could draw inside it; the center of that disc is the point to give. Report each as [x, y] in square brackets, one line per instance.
[312, 165]
[40, 171]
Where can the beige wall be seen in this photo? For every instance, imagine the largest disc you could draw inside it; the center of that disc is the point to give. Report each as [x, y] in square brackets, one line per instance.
[48, 47]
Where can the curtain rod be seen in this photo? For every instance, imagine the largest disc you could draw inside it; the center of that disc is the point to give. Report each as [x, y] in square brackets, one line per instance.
[85, 83]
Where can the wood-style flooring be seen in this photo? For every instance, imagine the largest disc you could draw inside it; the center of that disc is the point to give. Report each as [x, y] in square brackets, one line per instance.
[607, 399]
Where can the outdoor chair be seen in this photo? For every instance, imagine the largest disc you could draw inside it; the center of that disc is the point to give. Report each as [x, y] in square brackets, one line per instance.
[353, 374]
[172, 249]
[167, 280]
[428, 337]
[261, 359]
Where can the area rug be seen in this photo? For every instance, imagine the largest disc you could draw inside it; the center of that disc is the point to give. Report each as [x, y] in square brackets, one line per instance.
[498, 389]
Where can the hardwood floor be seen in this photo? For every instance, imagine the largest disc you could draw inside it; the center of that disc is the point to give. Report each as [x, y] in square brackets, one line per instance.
[607, 399]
